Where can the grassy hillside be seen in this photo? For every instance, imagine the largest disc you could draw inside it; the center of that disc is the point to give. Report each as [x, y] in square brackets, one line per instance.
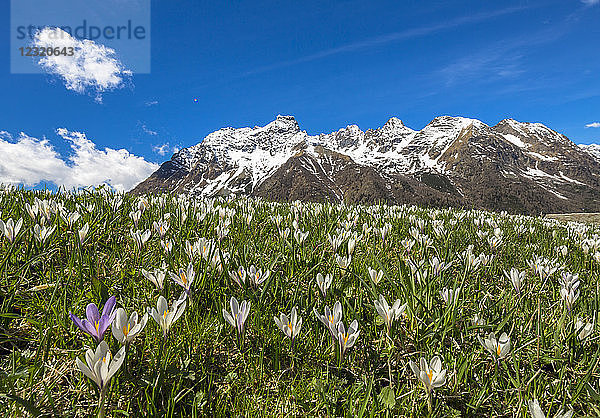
[202, 366]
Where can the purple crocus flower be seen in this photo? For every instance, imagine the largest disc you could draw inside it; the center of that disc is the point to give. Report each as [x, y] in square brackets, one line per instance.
[96, 324]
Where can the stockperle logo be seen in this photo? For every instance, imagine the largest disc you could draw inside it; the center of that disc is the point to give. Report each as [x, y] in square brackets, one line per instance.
[42, 31]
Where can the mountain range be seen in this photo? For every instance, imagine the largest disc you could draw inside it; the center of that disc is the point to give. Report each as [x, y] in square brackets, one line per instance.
[453, 161]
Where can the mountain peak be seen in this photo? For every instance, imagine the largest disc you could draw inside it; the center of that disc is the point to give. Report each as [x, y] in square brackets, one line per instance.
[284, 123]
[452, 122]
[393, 122]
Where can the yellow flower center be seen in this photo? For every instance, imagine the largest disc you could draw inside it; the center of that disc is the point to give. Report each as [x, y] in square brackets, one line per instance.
[290, 327]
[126, 329]
[498, 350]
[97, 324]
[430, 375]
[165, 314]
[183, 278]
[345, 338]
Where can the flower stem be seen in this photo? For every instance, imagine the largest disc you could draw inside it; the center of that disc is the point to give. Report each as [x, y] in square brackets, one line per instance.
[101, 410]
[429, 402]
[390, 369]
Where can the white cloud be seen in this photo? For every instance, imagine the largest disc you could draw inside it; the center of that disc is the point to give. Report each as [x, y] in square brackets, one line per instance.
[29, 161]
[590, 2]
[93, 67]
[152, 103]
[165, 149]
[161, 149]
[593, 125]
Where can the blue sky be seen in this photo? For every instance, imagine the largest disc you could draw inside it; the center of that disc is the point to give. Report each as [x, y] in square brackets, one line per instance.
[330, 64]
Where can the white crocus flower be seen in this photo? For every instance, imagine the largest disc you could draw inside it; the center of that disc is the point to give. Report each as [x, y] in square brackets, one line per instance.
[387, 313]
[431, 375]
[351, 246]
[583, 329]
[157, 277]
[167, 245]
[498, 348]
[290, 327]
[140, 238]
[257, 276]
[569, 289]
[217, 260]
[408, 244]
[343, 262]
[184, 278]
[205, 247]
[42, 233]
[10, 229]
[570, 296]
[347, 339]
[569, 280]
[32, 210]
[331, 318]
[335, 241]
[135, 216]
[70, 218]
[161, 228]
[164, 316]
[239, 276]
[450, 296]
[477, 321]
[126, 329]
[536, 412]
[190, 249]
[438, 267]
[284, 233]
[376, 276]
[237, 316]
[562, 250]
[83, 233]
[324, 283]
[517, 278]
[300, 236]
[99, 366]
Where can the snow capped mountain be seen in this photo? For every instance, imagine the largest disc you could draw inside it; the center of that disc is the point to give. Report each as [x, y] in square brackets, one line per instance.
[592, 149]
[515, 166]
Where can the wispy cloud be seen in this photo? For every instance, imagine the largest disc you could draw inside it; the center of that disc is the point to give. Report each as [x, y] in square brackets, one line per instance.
[29, 161]
[148, 130]
[151, 103]
[593, 125]
[392, 38]
[502, 61]
[492, 66]
[590, 2]
[93, 67]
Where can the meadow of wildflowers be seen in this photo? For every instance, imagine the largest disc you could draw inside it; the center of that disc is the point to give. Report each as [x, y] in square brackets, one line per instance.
[115, 305]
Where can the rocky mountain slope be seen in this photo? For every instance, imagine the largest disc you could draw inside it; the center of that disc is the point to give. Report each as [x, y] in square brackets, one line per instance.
[453, 161]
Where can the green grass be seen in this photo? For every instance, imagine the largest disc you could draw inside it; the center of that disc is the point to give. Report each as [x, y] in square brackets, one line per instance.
[199, 370]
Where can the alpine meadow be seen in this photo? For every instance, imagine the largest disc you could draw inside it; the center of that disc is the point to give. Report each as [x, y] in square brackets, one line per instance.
[173, 305]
